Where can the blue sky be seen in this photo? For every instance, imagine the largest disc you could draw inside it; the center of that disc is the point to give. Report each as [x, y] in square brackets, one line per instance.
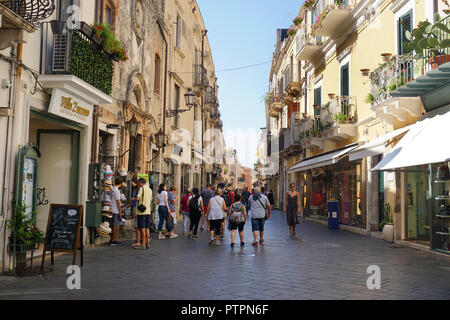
[242, 33]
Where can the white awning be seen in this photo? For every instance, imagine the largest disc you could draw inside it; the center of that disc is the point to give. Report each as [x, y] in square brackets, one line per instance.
[376, 146]
[322, 160]
[427, 142]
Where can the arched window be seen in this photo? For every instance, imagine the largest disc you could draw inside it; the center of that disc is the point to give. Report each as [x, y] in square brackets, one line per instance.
[157, 74]
[106, 11]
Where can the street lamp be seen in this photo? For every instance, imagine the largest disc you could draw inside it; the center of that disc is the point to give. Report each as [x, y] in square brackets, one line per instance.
[133, 127]
[159, 137]
[190, 103]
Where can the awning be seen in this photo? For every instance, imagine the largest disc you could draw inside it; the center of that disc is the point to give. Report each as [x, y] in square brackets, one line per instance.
[322, 160]
[427, 142]
[376, 146]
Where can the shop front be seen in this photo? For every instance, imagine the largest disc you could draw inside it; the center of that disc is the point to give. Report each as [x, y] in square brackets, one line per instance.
[424, 158]
[332, 177]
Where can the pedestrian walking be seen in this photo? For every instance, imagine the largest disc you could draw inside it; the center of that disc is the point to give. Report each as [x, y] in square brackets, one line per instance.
[245, 196]
[271, 198]
[292, 209]
[261, 211]
[143, 215]
[237, 218]
[163, 212]
[196, 208]
[228, 197]
[206, 195]
[133, 205]
[185, 210]
[216, 216]
[116, 208]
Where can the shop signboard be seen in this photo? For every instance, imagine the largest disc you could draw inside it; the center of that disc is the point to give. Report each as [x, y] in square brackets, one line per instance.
[64, 231]
[65, 105]
[144, 176]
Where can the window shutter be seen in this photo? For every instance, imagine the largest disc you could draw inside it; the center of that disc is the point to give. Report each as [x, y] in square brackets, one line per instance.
[317, 100]
[404, 24]
[345, 86]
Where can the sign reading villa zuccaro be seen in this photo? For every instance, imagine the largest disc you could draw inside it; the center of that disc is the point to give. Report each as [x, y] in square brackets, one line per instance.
[65, 105]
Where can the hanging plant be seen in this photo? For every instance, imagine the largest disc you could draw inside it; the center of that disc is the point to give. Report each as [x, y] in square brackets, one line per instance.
[292, 31]
[109, 41]
[309, 4]
[318, 22]
[298, 21]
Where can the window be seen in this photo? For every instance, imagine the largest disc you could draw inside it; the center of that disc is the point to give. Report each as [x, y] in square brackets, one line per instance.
[157, 74]
[63, 5]
[176, 104]
[179, 30]
[317, 100]
[345, 80]
[108, 15]
[404, 24]
[105, 11]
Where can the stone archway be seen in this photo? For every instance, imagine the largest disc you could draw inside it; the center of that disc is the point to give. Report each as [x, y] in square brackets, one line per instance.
[137, 92]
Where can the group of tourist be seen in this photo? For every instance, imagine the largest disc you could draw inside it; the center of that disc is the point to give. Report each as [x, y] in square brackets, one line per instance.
[209, 209]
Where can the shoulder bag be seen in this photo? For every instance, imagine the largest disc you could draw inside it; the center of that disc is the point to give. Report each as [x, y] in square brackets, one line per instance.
[142, 208]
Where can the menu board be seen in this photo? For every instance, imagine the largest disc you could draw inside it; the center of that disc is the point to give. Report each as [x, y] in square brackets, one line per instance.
[63, 230]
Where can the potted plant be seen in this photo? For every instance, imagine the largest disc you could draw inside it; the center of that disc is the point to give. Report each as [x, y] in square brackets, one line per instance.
[298, 21]
[339, 3]
[370, 99]
[331, 96]
[365, 72]
[432, 37]
[386, 57]
[25, 236]
[388, 224]
[308, 4]
[109, 42]
[292, 31]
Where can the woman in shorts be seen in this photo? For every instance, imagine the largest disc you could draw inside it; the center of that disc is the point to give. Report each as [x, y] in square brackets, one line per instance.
[237, 218]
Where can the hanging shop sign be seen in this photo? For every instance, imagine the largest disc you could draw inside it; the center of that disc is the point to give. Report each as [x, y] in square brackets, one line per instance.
[65, 105]
[144, 176]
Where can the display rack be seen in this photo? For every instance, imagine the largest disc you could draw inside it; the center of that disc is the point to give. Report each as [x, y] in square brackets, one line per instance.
[441, 208]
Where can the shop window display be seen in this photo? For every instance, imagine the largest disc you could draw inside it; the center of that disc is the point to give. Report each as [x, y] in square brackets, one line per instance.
[441, 207]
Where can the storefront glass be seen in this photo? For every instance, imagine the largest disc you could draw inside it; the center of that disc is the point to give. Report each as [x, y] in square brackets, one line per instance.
[441, 207]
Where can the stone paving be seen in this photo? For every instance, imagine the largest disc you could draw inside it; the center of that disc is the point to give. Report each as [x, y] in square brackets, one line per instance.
[321, 264]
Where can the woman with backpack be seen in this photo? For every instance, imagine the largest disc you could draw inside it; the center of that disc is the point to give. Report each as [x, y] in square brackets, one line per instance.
[195, 212]
[237, 219]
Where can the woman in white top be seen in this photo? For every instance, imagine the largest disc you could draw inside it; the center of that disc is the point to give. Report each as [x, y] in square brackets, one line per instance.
[162, 199]
[216, 216]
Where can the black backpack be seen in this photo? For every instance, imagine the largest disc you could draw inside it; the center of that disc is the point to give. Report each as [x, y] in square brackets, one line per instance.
[227, 199]
[193, 205]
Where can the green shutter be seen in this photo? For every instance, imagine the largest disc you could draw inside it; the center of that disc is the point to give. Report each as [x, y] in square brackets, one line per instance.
[404, 24]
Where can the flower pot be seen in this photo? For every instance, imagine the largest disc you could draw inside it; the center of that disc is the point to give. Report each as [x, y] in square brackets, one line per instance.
[57, 26]
[388, 233]
[436, 61]
[365, 72]
[331, 96]
[386, 56]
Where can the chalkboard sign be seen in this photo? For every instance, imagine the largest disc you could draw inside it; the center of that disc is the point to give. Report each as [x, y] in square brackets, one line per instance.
[63, 230]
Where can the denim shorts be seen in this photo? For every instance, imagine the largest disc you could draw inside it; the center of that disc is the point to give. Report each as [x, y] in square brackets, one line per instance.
[143, 221]
[258, 225]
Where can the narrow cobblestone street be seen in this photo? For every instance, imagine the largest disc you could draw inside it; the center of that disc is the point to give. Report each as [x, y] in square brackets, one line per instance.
[321, 264]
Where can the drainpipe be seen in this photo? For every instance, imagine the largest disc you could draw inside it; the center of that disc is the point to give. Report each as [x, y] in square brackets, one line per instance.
[204, 33]
[6, 168]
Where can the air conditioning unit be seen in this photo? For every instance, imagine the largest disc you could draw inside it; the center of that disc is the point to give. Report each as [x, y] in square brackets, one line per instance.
[60, 59]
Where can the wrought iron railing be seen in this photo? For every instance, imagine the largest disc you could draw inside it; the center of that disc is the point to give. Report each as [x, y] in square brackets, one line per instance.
[32, 11]
[210, 95]
[340, 110]
[73, 52]
[200, 76]
[305, 127]
[287, 77]
[322, 7]
[391, 75]
[280, 86]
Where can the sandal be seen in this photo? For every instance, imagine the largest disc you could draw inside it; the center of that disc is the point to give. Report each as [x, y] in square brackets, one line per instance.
[135, 245]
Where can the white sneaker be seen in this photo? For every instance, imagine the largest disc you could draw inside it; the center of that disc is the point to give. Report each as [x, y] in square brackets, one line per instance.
[161, 236]
[174, 236]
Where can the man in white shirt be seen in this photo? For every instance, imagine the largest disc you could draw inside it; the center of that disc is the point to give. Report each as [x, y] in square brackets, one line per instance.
[144, 198]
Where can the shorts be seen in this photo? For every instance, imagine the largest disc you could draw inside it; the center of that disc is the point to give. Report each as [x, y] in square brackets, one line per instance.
[258, 225]
[205, 209]
[216, 226]
[116, 220]
[236, 226]
[143, 221]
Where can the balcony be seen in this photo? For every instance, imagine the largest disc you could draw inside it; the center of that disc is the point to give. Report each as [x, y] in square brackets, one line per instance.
[75, 62]
[388, 77]
[329, 16]
[291, 85]
[432, 86]
[338, 119]
[289, 142]
[274, 103]
[200, 79]
[19, 17]
[310, 133]
[307, 47]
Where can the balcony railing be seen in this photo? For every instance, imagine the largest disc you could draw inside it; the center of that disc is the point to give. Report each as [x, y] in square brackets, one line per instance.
[329, 15]
[200, 76]
[287, 77]
[307, 46]
[32, 11]
[340, 110]
[210, 95]
[74, 52]
[389, 77]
